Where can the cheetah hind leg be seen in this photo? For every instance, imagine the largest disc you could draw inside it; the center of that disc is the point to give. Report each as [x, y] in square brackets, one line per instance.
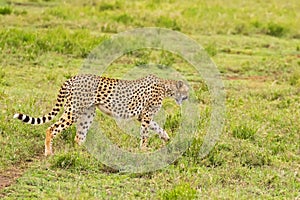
[83, 124]
[54, 130]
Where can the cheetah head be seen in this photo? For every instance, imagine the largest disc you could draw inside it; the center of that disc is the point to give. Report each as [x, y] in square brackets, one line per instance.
[181, 92]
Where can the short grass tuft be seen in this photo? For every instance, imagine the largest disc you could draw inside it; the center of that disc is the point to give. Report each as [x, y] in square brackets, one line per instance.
[244, 132]
[6, 10]
[277, 30]
[181, 191]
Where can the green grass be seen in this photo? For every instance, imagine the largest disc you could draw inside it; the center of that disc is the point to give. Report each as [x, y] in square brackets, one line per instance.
[5, 10]
[255, 45]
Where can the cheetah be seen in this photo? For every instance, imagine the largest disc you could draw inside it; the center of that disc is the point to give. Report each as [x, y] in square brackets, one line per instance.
[80, 95]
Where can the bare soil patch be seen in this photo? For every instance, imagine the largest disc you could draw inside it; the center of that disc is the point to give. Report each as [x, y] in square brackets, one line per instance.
[10, 175]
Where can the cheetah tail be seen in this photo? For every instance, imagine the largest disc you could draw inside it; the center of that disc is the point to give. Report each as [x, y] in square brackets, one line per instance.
[46, 118]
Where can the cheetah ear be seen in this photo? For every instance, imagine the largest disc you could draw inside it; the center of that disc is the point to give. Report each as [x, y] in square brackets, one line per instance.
[179, 84]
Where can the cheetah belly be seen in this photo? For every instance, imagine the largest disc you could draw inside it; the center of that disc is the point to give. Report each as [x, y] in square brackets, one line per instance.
[121, 106]
[105, 110]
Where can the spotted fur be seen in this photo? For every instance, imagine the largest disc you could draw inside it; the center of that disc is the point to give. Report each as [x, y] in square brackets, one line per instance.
[80, 95]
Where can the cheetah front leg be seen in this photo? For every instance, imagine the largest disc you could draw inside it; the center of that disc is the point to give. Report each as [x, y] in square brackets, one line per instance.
[146, 124]
[144, 138]
[83, 124]
[160, 131]
[144, 132]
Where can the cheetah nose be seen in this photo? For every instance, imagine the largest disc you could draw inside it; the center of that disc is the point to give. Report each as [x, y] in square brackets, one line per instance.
[184, 98]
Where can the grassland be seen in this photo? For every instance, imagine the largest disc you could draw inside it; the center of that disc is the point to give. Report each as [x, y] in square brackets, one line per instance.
[256, 46]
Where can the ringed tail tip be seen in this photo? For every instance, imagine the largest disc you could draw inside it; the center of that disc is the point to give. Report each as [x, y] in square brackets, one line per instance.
[21, 117]
[16, 115]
